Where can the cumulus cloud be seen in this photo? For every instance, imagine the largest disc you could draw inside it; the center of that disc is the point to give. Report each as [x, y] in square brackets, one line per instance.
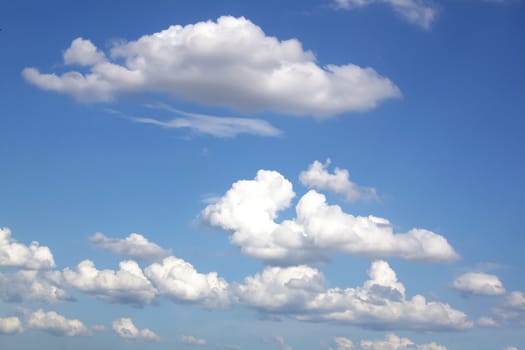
[178, 280]
[318, 177]
[191, 340]
[10, 325]
[510, 348]
[487, 322]
[419, 12]
[391, 342]
[128, 285]
[125, 328]
[229, 62]
[14, 254]
[282, 343]
[478, 283]
[135, 246]
[249, 208]
[380, 303]
[56, 324]
[515, 300]
[32, 285]
[212, 125]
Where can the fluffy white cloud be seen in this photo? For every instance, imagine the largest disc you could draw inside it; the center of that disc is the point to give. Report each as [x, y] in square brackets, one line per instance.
[318, 177]
[515, 300]
[380, 303]
[391, 342]
[125, 328]
[230, 62]
[135, 246]
[10, 325]
[419, 12]
[250, 207]
[128, 285]
[487, 322]
[478, 283]
[179, 280]
[510, 348]
[56, 324]
[191, 340]
[31, 285]
[14, 254]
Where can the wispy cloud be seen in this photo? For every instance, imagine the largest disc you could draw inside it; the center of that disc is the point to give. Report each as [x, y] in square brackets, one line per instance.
[211, 125]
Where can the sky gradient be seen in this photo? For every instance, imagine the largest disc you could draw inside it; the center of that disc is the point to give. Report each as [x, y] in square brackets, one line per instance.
[334, 175]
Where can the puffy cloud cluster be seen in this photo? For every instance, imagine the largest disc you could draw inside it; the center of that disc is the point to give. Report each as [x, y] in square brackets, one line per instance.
[14, 254]
[515, 300]
[391, 342]
[249, 209]
[318, 177]
[125, 328]
[380, 303]
[56, 324]
[191, 340]
[135, 246]
[32, 285]
[128, 285]
[479, 283]
[229, 62]
[10, 325]
[418, 12]
[179, 280]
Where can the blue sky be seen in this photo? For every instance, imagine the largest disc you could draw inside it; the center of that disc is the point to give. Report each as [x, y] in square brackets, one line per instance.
[262, 175]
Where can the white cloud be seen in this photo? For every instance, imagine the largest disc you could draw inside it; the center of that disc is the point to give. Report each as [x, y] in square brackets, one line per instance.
[418, 12]
[125, 328]
[230, 62]
[14, 254]
[478, 283]
[212, 125]
[56, 324]
[84, 53]
[339, 182]
[135, 246]
[487, 322]
[191, 340]
[282, 343]
[31, 285]
[250, 207]
[179, 280]
[515, 300]
[510, 348]
[380, 303]
[10, 325]
[128, 285]
[391, 342]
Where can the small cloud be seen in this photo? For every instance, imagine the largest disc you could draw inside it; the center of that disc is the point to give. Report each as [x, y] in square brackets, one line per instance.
[339, 182]
[419, 12]
[10, 325]
[125, 328]
[56, 324]
[135, 246]
[191, 340]
[478, 283]
[14, 254]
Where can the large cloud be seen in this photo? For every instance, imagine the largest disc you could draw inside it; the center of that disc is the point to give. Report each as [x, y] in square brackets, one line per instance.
[419, 12]
[14, 254]
[230, 62]
[391, 342]
[10, 325]
[250, 207]
[32, 285]
[318, 177]
[125, 328]
[56, 324]
[128, 285]
[135, 246]
[380, 303]
[478, 283]
[179, 280]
